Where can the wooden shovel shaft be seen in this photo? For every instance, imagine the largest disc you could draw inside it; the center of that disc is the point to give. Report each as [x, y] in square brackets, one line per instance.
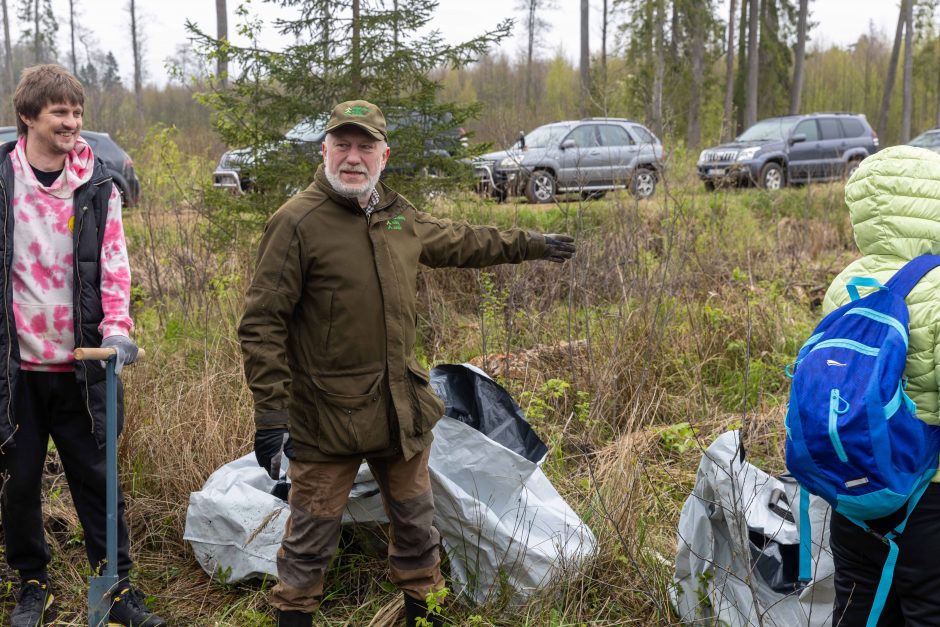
[101, 354]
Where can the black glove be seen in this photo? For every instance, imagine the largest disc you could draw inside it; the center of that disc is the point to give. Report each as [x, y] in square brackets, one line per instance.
[125, 348]
[558, 247]
[268, 446]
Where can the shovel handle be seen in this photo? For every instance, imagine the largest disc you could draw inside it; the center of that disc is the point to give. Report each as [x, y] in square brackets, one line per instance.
[101, 354]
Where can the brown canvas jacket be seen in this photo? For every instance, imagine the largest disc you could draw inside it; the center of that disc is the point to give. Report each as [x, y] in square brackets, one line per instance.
[328, 332]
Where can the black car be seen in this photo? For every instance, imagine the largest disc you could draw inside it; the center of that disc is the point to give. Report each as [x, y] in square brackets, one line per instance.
[118, 163]
[793, 149]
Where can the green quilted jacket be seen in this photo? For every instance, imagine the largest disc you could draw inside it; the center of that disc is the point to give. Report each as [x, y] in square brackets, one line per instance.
[894, 204]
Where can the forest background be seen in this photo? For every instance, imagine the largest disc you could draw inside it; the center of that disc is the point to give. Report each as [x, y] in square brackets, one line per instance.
[672, 324]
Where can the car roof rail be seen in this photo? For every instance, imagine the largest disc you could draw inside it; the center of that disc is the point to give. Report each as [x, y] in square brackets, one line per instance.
[611, 119]
[836, 113]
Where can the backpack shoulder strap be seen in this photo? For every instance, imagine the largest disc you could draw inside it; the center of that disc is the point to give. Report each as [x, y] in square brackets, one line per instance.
[913, 271]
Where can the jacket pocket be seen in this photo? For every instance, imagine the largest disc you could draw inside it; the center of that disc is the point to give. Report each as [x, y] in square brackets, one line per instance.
[351, 414]
[428, 407]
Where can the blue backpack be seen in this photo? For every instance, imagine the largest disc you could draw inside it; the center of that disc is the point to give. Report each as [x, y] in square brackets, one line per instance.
[852, 436]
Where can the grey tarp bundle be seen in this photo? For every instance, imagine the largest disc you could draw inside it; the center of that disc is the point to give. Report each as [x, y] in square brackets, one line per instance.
[738, 547]
[498, 514]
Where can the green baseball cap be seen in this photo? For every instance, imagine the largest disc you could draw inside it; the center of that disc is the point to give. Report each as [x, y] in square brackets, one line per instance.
[359, 113]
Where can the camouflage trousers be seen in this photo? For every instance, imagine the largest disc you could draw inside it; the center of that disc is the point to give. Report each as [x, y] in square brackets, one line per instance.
[318, 495]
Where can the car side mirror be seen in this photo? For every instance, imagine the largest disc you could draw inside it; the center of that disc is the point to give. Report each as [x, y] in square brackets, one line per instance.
[799, 137]
[522, 140]
[568, 143]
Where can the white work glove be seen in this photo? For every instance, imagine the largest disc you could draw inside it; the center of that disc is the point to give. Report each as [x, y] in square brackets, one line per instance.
[125, 348]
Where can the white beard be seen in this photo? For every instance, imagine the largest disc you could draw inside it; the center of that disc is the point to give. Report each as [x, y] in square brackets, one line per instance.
[350, 191]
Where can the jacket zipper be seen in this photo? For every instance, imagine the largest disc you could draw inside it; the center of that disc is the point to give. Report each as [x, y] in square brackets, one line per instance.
[6, 280]
[81, 327]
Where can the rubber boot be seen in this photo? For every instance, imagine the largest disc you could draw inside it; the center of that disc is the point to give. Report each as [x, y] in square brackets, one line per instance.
[415, 609]
[294, 619]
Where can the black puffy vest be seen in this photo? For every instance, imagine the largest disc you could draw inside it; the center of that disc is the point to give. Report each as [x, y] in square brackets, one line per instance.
[91, 211]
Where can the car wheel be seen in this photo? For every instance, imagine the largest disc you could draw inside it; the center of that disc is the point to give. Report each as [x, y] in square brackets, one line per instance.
[541, 187]
[709, 186]
[771, 176]
[851, 167]
[643, 184]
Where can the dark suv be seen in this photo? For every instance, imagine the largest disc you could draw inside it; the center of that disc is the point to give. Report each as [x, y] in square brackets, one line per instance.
[792, 149]
[116, 161]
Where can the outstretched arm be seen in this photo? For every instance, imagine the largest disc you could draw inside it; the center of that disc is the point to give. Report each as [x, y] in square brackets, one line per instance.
[446, 243]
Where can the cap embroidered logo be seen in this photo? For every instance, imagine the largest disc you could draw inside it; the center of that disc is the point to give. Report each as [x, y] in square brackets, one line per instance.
[357, 110]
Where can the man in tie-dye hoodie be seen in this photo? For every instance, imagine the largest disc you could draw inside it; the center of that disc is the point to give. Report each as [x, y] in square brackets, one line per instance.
[66, 283]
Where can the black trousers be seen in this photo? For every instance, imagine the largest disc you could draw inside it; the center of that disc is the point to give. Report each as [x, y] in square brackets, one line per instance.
[50, 404]
[914, 600]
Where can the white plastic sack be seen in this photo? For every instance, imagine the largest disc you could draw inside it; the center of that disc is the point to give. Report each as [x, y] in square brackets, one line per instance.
[721, 575]
[495, 509]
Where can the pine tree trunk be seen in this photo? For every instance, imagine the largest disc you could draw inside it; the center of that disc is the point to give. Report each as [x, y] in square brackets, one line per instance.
[37, 37]
[659, 68]
[135, 50]
[797, 90]
[7, 50]
[72, 34]
[585, 59]
[530, 28]
[937, 120]
[605, 23]
[741, 81]
[694, 133]
[753, 66]
[355, 79]
[907, 86]
[892, 72]
[221, 33]
[727, 125]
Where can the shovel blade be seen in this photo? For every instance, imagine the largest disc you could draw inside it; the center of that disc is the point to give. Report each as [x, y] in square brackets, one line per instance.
[100, 589]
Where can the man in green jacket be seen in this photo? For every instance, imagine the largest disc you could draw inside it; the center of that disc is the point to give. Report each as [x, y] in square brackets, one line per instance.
[328, 339]
[894, 204]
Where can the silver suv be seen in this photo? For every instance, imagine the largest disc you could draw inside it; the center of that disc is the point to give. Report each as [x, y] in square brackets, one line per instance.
[590, 157]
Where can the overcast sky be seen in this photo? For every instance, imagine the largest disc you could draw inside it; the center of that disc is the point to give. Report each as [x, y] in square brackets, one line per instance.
[838, 21]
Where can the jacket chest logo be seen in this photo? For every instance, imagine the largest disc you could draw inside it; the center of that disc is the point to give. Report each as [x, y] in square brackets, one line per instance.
[394, 224]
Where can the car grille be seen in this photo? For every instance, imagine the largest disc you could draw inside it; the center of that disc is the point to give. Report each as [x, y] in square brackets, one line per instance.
[715, 156]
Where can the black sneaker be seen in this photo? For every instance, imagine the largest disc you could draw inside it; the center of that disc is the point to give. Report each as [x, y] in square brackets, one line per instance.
[31, 606]
[130, 610]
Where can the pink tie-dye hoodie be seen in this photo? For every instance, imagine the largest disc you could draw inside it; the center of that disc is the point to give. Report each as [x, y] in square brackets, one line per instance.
[43, 262]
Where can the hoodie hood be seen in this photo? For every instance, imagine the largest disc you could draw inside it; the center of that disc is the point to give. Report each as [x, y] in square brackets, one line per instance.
[894, 202]
[79, 166]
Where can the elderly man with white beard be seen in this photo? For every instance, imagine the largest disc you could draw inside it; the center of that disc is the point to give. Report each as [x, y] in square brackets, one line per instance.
[328, 338]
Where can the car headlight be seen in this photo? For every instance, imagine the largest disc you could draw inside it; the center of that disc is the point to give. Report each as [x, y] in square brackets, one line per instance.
[509, 162]
[747, 153]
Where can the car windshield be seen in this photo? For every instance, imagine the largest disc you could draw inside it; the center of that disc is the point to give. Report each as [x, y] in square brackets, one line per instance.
[307, 130]
[927, 140]
[545, 136]
[767, 130]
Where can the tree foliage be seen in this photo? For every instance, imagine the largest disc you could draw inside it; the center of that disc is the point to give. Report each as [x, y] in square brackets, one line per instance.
[379, 56]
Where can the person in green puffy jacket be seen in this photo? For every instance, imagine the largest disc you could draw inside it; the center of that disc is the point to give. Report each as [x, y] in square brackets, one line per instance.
[894, 204]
